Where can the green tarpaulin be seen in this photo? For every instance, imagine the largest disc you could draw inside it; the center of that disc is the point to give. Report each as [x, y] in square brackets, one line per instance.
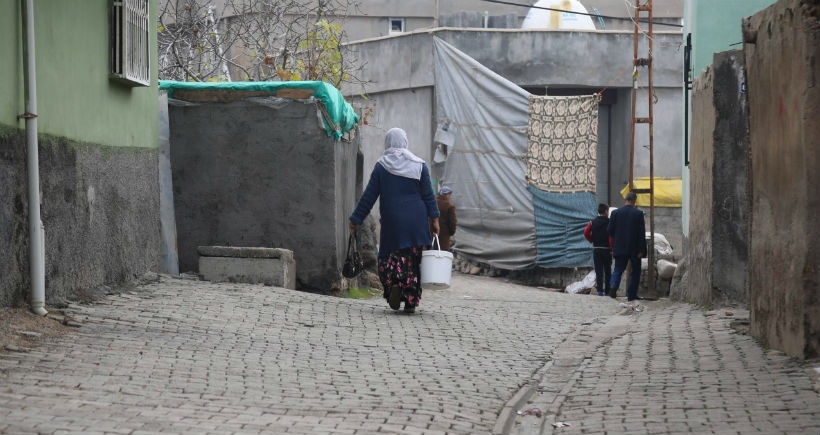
[339, 116]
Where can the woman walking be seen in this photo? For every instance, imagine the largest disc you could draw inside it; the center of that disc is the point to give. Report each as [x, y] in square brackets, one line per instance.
[401, 182]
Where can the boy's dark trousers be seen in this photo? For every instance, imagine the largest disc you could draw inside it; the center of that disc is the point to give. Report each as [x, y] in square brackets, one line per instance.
[602, 259]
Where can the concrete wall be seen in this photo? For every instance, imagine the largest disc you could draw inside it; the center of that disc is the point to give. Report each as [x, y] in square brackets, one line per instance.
[783, 59]
[525, 57]
[667, 132]
[251, 175]
[731, 206]
[719, 213]
[701, 166]
[361, 27]
[620, 133]
[567, 58]
[100, 209]
[388, 110]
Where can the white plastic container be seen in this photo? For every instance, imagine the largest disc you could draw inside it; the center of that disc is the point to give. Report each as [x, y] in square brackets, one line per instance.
[436, 267]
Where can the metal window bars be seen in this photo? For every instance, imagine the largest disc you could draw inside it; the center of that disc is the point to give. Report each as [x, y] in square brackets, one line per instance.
[130, 60]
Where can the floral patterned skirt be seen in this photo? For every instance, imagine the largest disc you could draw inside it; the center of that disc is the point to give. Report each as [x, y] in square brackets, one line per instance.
[401, 269]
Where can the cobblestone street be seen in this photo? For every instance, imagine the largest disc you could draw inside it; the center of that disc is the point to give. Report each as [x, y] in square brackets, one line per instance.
[184, 356]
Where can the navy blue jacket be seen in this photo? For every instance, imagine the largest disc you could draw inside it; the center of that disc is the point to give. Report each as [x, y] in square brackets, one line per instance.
[628, 231]
[404, 204]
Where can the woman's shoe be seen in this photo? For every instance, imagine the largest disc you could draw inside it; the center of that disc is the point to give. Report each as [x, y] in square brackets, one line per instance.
[409, 309]
[395, 298]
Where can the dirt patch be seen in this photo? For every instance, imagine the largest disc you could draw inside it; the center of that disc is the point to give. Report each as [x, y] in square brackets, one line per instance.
[21, 330]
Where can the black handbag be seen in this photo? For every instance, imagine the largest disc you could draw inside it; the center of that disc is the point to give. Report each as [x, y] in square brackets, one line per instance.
[353, 263]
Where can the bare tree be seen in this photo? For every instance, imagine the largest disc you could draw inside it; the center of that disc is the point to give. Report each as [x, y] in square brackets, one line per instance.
[255, 40]
[189, 46]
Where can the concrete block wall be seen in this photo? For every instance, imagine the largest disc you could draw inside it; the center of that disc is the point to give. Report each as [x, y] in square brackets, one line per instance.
[782, 49]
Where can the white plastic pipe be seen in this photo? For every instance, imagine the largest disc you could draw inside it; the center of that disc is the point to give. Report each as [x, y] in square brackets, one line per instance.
[37, 261]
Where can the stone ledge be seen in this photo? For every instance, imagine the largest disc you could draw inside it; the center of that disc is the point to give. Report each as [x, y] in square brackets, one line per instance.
[268, 266]
[244, 252]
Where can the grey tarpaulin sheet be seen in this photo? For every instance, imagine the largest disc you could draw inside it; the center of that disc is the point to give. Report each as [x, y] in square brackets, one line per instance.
[486, 119]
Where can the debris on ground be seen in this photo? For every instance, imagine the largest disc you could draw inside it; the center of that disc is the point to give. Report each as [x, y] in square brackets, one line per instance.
[532, 411]
[583, 286]
[21, 330]
[626, 309]
[561, 424]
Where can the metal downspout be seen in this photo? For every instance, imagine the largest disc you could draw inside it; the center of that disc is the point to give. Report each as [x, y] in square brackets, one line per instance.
[36, 231]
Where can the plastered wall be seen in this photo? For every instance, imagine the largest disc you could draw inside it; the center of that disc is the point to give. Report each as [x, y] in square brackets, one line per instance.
[720, 207]
[782, 49]
[100, 210]
[255, 175]
[701, 164]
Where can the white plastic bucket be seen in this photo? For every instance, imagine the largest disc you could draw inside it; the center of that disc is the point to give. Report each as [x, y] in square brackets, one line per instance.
[436, 267]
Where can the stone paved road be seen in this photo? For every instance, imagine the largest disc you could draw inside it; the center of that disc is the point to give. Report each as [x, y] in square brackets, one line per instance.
[185, 356]
[672, 369]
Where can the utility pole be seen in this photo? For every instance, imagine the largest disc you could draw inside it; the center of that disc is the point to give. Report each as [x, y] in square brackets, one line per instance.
[641, 11]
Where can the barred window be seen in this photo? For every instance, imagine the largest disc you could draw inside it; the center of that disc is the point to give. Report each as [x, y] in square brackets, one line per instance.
[130, 61]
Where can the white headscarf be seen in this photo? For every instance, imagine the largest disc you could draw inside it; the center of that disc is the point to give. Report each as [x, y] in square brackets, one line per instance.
[397, 159]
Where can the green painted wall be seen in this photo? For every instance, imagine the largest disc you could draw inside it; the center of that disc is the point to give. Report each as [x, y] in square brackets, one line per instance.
[11, 71]
[75, 98]
[715, 26]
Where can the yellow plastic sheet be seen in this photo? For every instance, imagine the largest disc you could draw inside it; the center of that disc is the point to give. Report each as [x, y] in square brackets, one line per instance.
[668, 192]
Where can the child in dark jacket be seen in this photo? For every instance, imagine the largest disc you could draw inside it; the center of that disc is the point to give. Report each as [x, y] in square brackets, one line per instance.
[596, 233]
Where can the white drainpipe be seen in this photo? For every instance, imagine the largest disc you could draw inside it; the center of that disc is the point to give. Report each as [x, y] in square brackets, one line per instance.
[37, 261]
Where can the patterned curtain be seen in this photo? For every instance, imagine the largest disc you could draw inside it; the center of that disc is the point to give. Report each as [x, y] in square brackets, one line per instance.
[562, 139]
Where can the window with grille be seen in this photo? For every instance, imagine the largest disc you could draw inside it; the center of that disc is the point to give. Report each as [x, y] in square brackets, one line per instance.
[130, 61]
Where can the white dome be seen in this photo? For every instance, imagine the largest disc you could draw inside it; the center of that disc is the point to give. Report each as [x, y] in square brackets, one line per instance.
[544, 19]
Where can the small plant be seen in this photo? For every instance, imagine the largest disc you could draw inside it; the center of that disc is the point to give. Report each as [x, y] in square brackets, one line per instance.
[359, 293]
